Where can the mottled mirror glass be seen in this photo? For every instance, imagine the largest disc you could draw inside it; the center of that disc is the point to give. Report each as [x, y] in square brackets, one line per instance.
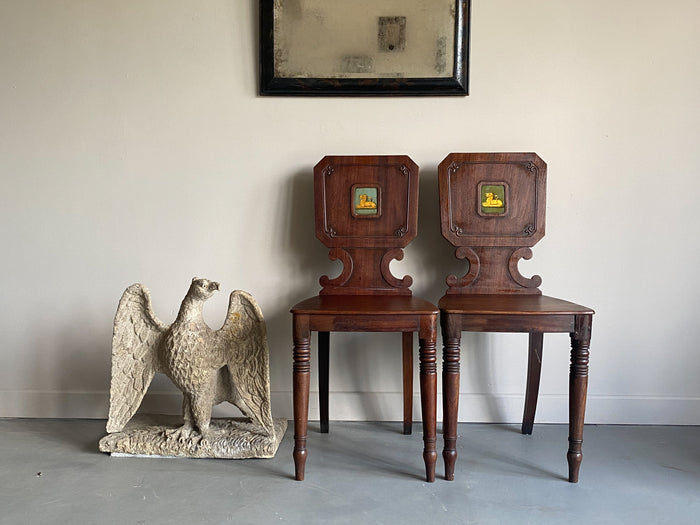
[364, 46]
[364, 38]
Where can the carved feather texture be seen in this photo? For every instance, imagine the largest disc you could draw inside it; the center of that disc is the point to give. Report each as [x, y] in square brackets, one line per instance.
[137, 336]
[242, 340]
[231, 364]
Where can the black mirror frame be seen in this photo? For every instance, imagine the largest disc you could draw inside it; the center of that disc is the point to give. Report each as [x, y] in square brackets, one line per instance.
[457, 85]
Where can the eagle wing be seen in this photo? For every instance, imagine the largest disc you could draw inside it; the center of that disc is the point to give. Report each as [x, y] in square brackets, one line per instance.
[137, 335]
[245, 380]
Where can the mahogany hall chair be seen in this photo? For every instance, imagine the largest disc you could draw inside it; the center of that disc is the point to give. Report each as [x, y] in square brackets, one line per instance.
[492, 209]
[366, 212]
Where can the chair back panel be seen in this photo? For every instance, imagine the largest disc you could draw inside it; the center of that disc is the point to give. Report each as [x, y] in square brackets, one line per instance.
[492, 208]
[366, 211]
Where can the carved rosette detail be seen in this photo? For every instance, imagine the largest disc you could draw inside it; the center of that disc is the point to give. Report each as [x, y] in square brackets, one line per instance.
[529, 229]
[331, 232]
[530, 166]
[457, 230]
[452, 168]
[403, 230]
[404, 170]
[328, 170]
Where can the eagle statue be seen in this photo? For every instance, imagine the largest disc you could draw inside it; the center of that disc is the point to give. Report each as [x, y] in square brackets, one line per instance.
[209, 367]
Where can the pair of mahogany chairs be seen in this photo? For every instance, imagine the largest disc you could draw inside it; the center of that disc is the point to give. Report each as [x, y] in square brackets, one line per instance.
[492, 208]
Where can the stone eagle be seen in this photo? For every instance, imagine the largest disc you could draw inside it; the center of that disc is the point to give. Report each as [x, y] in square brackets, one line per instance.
[209, 367]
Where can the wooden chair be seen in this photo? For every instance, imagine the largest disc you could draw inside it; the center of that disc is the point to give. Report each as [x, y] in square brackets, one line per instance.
[366, 211]
[492, 208]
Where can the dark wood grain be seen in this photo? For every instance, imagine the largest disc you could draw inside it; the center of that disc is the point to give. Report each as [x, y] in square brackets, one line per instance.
[528, 305]
[366, 297]
[451, 335]
[493, 243]
[578, 388]
[534, 371]
[407, 367]
[362, 304]
[492, 295]
[323, 378]
[300, 391]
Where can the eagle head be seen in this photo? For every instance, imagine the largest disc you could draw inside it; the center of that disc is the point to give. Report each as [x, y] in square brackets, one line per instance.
[203, 288]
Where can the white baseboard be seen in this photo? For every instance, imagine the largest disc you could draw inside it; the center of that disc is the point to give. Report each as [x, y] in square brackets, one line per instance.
[379, 406]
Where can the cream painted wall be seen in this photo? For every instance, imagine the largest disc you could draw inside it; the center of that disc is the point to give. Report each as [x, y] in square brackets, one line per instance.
[133, 147]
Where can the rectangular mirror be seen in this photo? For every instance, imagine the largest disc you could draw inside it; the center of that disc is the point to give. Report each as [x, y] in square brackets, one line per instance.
[364, 47]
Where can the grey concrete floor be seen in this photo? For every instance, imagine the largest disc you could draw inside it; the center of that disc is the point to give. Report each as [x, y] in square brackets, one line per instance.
[51, 472]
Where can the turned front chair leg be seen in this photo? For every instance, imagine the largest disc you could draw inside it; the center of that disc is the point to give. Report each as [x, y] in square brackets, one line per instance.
[323, 373]
[451, 335]
[407, 360]
[534, 368]
[428, 393]
[300, 386]
[578, 386]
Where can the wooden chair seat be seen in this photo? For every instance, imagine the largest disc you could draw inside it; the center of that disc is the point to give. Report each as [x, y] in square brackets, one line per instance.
[492, 208]
[493, 312]
[358, 313]
[356, 306]
[366, 212]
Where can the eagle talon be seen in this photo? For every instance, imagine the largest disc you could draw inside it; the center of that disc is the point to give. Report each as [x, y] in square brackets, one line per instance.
[181, 434]
[196, 440]
[203, 439]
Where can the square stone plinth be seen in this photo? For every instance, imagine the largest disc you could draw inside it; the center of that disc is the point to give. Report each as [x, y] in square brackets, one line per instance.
[230, 438]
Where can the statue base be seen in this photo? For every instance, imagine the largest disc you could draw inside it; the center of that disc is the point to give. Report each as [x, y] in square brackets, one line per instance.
[229, 438]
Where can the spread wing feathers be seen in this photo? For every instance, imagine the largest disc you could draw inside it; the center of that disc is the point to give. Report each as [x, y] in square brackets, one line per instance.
[137, 335]
[245, 381]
